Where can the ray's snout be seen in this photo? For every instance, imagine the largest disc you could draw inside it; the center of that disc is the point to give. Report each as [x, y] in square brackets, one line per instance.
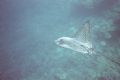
[60, 41]
[57, 42]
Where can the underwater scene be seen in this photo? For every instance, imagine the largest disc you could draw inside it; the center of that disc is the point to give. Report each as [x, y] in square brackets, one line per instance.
[29, 30]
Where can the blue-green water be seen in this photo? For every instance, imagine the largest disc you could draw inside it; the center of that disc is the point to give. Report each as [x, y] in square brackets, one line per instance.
[28, 29]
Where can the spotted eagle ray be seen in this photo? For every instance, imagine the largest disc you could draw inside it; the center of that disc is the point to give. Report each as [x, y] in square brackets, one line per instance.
[80, 42]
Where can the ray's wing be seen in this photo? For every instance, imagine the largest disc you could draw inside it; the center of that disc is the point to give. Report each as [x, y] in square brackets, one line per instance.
[83, 34]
